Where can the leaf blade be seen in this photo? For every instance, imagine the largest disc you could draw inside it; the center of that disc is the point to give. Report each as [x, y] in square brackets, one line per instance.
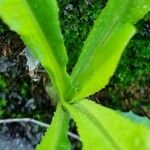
[56, 136]
[97, 61]
[137, 119]
[37, 23]
[107, 129]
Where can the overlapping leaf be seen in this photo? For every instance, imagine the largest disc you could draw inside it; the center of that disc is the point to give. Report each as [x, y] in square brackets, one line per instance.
[137, 119]
[37, 23]
[103, 48]
[56, 136]
[101, 128]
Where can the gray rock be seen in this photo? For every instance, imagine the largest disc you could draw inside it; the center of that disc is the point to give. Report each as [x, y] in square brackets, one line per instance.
[8, 143]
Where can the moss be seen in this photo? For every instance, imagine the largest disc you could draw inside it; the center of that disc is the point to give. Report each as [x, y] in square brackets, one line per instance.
[77, 18]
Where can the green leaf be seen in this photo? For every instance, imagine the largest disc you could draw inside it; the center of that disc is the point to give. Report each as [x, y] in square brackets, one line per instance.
[103, 48]
[56, 136]
[137, 119]
[101, 128]
[36, 21]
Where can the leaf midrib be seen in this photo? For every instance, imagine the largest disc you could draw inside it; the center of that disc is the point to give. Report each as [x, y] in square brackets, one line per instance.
[97, 124]
[100, 42]
[115, 23]
[56, 66]
[41, 33]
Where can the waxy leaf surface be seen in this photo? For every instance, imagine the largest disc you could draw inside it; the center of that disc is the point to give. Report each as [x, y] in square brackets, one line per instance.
[103, 48]
[101, 128]
[137, 119]
[56, 136]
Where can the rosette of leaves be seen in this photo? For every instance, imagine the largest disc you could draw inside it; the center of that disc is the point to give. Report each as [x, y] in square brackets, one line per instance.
[99, 128]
